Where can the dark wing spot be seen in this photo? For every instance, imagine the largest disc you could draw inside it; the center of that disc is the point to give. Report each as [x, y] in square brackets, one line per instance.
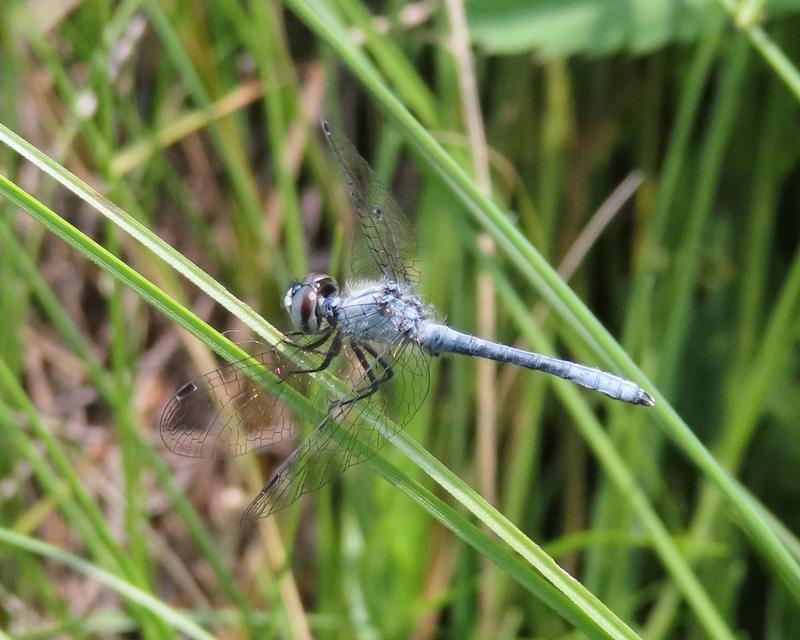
[185, 390]
[274, 479]
[377, 212]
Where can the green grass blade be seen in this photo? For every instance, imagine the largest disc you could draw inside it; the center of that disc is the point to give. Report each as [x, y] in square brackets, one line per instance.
[122, 587]
[621, 475]
[746, 19]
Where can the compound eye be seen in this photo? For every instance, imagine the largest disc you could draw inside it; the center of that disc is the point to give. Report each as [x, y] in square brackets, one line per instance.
[290, 294]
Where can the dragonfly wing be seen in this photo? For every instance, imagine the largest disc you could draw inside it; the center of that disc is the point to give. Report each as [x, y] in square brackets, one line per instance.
[227, 412]
[385, 243]
[353, 431]
[324, 455]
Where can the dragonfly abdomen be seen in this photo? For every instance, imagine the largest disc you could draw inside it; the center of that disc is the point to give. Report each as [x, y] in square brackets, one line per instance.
[440, 338]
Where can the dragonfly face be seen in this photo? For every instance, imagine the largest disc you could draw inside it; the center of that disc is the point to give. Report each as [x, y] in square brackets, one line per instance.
[303, 302]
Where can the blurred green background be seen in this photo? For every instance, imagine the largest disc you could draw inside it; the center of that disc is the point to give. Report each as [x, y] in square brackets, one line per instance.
[646, 149]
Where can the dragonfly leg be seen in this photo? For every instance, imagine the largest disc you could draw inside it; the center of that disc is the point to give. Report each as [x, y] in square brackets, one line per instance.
[311, 347]
[374, 381]
[388, 372]
[330, 354]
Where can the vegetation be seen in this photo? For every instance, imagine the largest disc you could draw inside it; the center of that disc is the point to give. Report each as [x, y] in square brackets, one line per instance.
[614, 182]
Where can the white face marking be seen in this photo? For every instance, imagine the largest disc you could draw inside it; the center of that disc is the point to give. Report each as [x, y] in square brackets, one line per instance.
[290, 301]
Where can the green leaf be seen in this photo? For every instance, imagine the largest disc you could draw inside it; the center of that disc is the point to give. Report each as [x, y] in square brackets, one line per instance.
[555, 28]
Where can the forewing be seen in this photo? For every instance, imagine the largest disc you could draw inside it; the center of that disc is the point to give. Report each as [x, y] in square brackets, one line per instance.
[385, 244]
[348, 435]
[227, 412]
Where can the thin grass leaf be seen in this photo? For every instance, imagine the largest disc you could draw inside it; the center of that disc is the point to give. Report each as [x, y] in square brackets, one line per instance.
[125, 589]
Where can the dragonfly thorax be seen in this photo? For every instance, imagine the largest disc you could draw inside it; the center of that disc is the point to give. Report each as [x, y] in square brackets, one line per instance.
[382, 311]
[305, 302]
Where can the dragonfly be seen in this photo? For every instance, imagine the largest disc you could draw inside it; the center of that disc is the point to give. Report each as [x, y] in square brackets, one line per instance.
[368, 333]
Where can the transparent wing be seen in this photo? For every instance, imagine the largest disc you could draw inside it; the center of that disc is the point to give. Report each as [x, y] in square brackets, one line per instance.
[226, 412]
[348, 435]
[385, 245]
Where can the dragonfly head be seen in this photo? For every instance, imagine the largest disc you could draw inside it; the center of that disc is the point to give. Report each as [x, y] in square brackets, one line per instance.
[303, 301]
